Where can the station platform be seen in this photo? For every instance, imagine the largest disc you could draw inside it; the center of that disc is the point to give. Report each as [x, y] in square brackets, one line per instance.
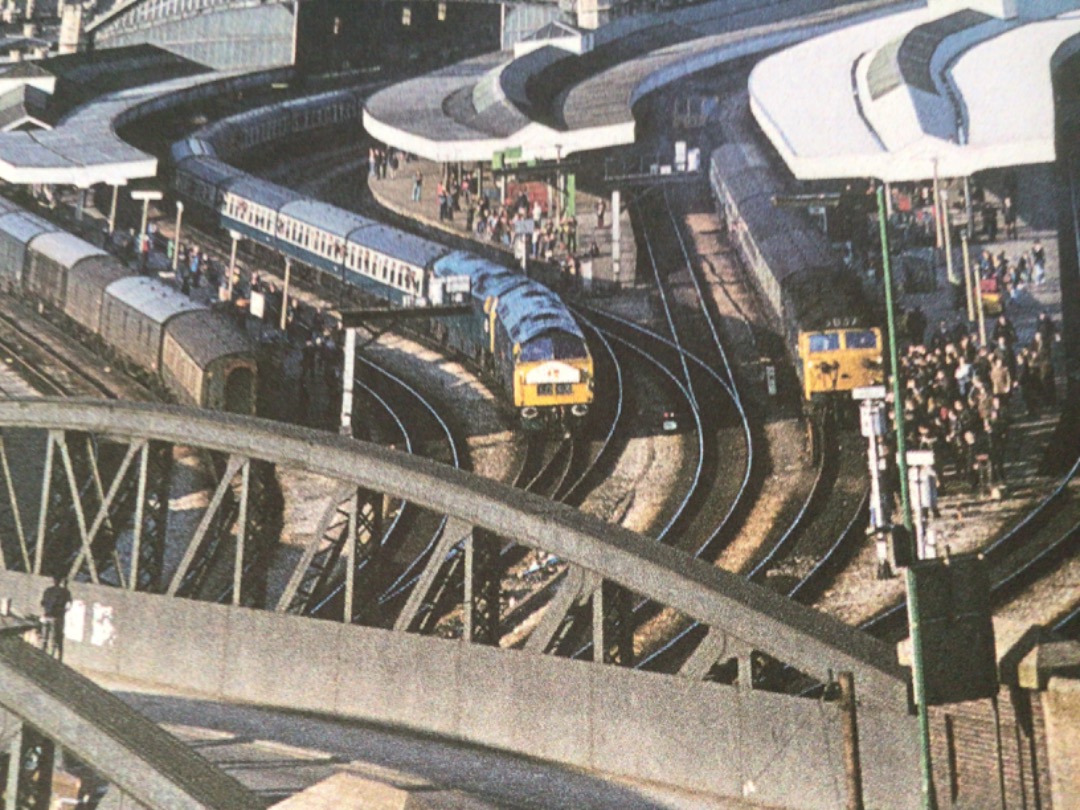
[968, 517]
[596, 271]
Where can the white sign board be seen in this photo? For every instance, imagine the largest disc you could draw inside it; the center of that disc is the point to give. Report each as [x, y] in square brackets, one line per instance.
[680, 155]
[258, 304]
[868, 392]
[693, 160]
[456, 285]
[920, 458]
[102, 631]
[75, 621]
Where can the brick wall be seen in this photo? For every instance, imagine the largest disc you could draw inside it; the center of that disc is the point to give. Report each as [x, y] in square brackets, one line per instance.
[964, 750]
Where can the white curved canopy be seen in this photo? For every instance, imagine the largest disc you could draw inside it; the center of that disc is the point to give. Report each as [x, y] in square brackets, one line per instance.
[990, 103]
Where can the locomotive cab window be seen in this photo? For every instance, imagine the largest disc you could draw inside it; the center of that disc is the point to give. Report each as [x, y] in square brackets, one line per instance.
[824, 342]
[863, 339]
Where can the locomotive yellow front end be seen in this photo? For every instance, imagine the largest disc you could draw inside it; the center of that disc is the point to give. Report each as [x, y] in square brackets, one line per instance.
[560, 389]
[838, 360]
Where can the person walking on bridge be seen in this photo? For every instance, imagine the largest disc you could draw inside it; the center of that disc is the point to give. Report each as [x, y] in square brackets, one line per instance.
[54, 604]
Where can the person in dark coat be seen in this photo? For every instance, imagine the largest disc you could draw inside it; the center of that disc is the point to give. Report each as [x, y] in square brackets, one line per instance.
[997, 433]
[1043, 363]
[55, 602]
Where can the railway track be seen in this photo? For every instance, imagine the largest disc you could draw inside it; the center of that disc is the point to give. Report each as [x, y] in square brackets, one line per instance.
[50, 361]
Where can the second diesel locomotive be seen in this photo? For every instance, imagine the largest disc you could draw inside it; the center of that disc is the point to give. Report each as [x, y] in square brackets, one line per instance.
[515, 328]
[827, 319]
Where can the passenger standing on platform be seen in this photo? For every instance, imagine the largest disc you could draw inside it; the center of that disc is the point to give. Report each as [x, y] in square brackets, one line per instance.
[1004, 329]
[144, 252]
[1046, 327]
[417, 185]
[470, 215]
[601, 209]
[1038, 261]
[997, 433]
[55, 602]
[571, 235]
[440, 194]
[1028, 381]
[307, 360]
[1008, 212]
[1001, 380]
[1043, 363]
[195, 262]
[990, 226]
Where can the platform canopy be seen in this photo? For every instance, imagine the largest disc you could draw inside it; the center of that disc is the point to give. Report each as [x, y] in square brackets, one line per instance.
[964, 85]
[551, 101]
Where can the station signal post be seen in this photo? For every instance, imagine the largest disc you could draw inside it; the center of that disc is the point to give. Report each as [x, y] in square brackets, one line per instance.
[176, 237]
[347, 374]
[929, 797]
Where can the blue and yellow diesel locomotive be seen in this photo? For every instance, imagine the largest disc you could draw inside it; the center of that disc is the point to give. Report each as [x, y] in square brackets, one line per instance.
[516, 328]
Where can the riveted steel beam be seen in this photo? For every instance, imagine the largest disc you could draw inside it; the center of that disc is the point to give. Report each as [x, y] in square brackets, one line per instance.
[233, 466]
[767, 622]
[483, 575]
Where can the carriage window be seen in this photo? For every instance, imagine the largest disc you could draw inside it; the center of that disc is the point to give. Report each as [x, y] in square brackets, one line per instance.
[545, 389]
[861, 340]
[824, 342]
[564, 388]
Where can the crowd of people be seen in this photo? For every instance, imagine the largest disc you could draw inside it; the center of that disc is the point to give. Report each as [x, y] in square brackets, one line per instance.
[959, 395]
[519, 221]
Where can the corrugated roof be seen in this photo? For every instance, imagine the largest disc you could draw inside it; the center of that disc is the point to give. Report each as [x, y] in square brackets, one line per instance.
[155, 300]
[64, 248]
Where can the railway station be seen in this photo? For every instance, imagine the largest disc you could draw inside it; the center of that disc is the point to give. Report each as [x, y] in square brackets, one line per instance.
[486, 405]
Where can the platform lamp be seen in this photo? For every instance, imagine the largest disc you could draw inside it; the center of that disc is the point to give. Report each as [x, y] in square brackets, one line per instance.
[929, 798]
[176, 237]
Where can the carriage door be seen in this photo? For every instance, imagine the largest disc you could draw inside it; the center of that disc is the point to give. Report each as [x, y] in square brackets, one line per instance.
[240, 391]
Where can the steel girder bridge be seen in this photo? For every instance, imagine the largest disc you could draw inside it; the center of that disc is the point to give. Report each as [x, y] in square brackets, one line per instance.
[103, 516]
